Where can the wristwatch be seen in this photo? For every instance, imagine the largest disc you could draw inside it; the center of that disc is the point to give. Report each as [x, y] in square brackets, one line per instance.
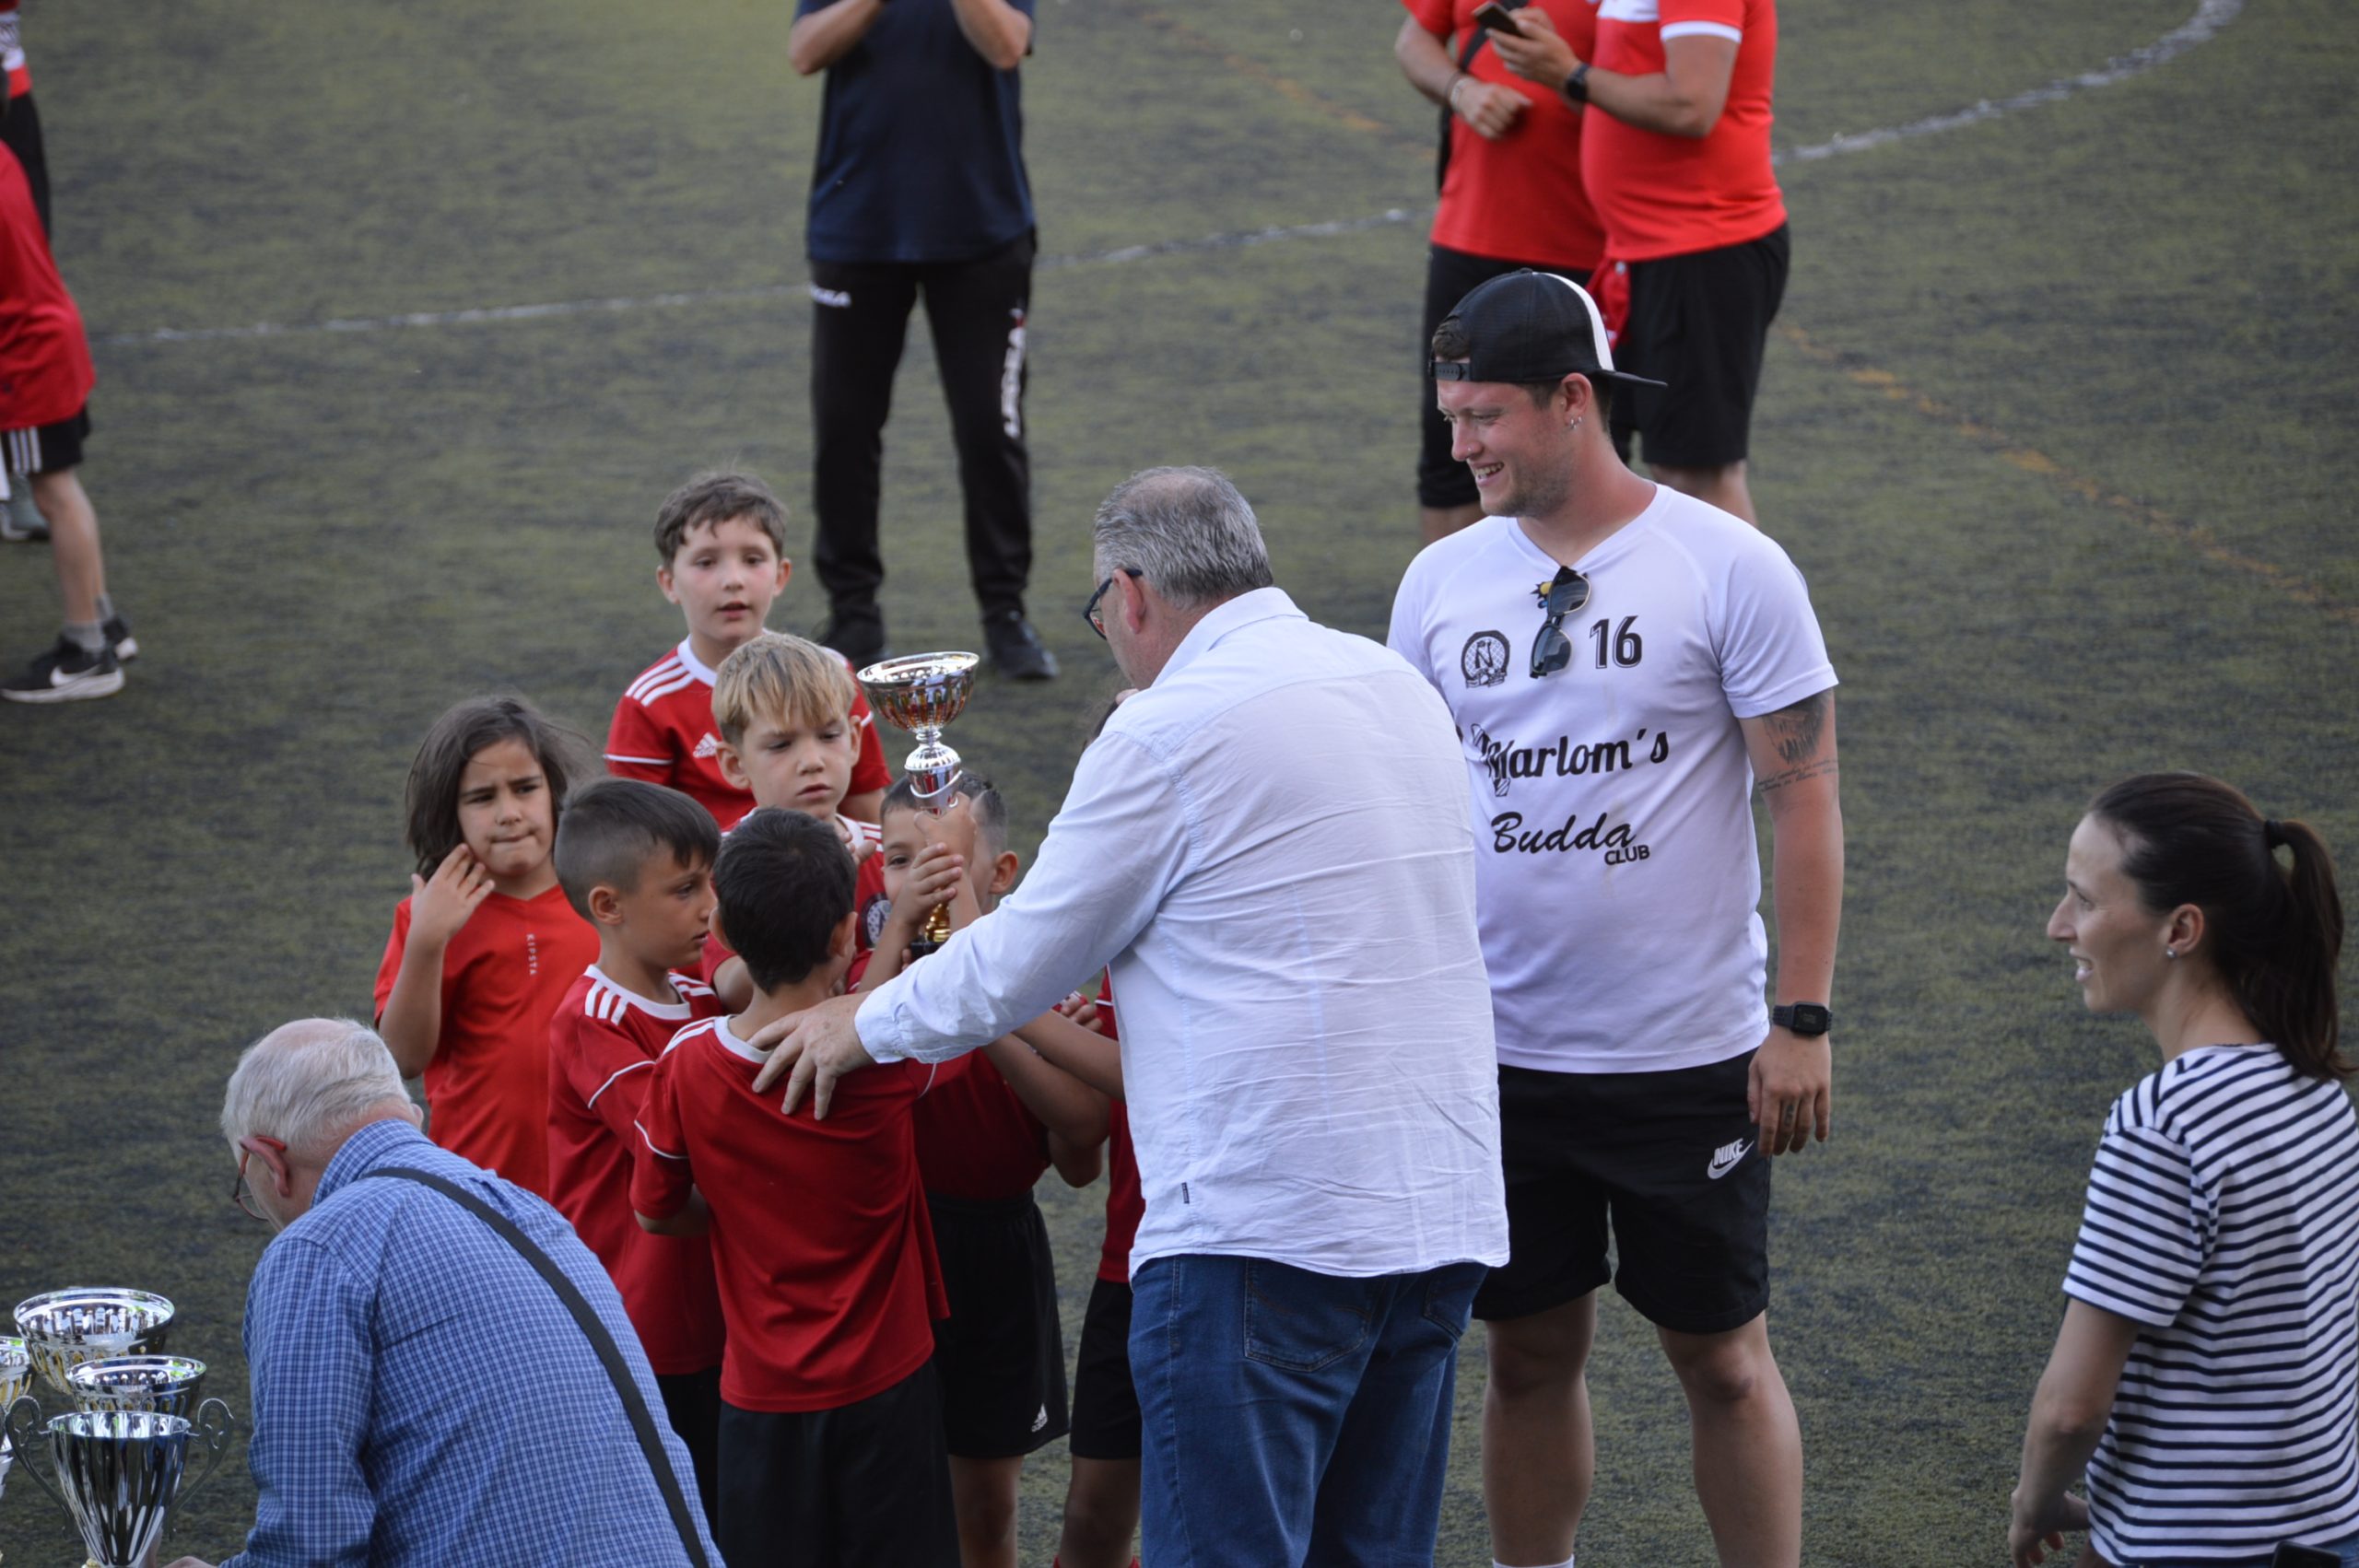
[1576, 85]
[1807, 1019]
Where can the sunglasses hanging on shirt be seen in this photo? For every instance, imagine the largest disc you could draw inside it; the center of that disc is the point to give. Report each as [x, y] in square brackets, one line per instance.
[1552, 649]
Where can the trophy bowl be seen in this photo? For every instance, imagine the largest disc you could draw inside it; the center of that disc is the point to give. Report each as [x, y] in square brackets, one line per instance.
[65, 1329]
[164, 1385]
[921, 693]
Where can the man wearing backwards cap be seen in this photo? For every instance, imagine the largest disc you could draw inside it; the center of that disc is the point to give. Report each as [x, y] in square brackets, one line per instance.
[1623, 661]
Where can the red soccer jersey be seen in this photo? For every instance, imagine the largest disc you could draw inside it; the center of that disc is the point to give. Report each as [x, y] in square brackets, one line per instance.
[602, 1046]
[45, 374]
[867, 897]
[1125, 1204]
[663, 733]
[1520, 198]
[503, 977]
[820, 1236]
[977, 1139]
[1665, 195]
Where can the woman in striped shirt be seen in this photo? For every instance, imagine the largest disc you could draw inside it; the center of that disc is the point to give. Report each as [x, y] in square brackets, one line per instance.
[2206, 1373]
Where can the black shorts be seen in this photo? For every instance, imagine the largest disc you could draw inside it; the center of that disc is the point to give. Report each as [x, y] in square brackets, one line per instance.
[1699, 322]
[1001, 1351]
[1451, 275]
[1670, 1159]
[45, 449]
[1105, 1400]
[692, 1408]
[865, 1485]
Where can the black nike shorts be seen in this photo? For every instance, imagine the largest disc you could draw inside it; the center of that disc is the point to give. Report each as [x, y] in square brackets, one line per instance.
[1666, 1161]
[1001, 1351]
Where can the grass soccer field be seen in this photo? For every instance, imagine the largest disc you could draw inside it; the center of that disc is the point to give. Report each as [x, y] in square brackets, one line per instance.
[407, 315]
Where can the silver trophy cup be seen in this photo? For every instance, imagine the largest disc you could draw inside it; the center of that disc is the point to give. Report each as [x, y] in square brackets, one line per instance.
[65, 1329]
[16, 1374]
[168, 1386]
[118, 1473]
[921, 694]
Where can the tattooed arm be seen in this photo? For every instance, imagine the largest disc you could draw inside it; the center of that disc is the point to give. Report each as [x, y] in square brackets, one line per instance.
[1793, 755]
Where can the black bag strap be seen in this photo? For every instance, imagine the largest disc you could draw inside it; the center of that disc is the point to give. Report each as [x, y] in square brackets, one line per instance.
[594, 1330]
[1465, 60]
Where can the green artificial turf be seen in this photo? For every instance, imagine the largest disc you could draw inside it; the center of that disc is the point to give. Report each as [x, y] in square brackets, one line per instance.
[2140, 294]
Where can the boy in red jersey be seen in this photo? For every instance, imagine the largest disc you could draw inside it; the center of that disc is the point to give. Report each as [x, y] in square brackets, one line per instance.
[831, 1446]
[786, 709]
[722, 541]
[636, 859]
[995, 1119]
[1102, 1498]
[45, 381]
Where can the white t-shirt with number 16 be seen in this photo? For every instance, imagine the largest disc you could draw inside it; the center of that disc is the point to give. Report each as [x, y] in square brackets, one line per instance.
[1618, 879]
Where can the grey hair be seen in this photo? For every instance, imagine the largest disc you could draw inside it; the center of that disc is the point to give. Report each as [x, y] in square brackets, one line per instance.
[306, 1082]
[1187, 532]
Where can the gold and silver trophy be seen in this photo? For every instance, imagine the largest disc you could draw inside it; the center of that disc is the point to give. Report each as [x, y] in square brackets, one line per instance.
[921, 694]
[16, 1374]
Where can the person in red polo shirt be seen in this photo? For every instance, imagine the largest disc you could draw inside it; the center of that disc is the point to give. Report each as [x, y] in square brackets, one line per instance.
[1675, 155]
[45, 381]
[1511, 196]
[831, 1426]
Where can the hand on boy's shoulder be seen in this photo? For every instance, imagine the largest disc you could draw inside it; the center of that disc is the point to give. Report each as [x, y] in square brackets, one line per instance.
[812, 1049]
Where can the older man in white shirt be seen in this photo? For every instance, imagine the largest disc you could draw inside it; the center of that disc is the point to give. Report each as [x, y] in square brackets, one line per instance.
[1270, 844]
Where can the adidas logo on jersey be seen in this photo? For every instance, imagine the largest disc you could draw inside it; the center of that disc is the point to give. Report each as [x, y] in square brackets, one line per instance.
[708, 747]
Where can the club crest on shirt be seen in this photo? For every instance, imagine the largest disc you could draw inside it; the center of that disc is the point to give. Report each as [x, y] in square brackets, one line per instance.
[873, 915]
[1483, 660]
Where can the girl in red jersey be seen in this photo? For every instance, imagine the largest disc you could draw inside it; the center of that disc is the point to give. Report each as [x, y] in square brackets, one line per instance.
[486, 945]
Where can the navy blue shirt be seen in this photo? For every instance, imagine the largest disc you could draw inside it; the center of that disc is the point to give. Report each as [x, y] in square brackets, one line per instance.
[920, 144]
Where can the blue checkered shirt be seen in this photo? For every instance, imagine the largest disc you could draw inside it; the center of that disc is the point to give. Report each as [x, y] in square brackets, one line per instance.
[421, 1396]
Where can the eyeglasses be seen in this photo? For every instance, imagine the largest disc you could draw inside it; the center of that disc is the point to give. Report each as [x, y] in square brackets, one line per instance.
[241, 1195]
[1552, 649]
[1089, 610]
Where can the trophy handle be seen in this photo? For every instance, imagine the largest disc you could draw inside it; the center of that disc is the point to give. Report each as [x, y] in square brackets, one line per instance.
[214, 1424]
[24, 1440]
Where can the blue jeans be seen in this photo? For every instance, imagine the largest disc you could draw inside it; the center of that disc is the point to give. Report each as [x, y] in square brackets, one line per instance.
[1294, 1420]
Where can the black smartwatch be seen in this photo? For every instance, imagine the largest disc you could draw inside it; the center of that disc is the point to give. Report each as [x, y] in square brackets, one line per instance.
[1807, 1019]
[1576, 85]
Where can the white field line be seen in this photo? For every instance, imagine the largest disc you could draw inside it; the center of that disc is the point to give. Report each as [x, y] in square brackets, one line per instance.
[2210, 17]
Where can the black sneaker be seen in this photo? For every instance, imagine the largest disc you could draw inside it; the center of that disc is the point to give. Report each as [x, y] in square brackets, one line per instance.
[119, 642]
[1016, 649]
[860, 638]
[67, 673]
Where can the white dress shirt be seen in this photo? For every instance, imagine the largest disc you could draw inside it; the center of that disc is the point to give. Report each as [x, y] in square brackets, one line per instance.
[1270, 846]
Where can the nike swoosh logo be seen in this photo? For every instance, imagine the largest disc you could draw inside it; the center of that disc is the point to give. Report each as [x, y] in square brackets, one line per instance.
[1726, 1160]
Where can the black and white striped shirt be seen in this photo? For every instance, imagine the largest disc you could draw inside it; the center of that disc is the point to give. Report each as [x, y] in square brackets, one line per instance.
[2223, 1216]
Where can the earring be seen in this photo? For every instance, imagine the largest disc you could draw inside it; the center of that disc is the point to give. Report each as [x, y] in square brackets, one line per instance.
[1577, 423]
[2170, 953]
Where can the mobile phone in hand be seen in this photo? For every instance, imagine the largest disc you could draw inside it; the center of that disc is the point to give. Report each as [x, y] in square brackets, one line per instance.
[1492, 17]
[2290, 1555]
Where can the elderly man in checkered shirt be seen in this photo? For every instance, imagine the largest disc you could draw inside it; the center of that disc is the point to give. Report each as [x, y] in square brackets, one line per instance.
[421, 1395]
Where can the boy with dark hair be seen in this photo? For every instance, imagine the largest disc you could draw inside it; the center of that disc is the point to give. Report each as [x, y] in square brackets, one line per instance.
[722, 538]
[635, 860]
[995, 1120]
[832, 1417]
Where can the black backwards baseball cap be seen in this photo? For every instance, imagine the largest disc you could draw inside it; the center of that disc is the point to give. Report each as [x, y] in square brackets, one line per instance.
[1529, 327]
